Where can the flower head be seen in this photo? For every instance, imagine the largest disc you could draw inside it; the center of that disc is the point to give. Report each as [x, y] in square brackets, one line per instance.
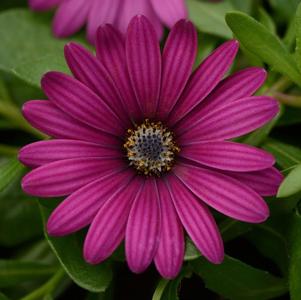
[71, 15]
[141, 146]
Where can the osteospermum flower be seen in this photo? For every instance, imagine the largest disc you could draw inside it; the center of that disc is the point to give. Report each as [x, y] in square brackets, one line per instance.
[74, 14]
[141, 146]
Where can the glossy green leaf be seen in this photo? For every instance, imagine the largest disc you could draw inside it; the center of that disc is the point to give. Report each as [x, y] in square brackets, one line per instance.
[298, 36]
[236, 280]
[14, 272]
[291, 184]
[210, 17]
[28, 48]
[256, 38]
[8, 171]
[266, 20]
[68, 249]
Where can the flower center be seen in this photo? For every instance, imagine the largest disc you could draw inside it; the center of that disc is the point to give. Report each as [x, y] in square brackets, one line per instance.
[151, 148]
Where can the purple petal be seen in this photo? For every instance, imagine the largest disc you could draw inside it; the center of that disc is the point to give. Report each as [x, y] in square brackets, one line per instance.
[242, 84]
[170, 253]
[132, 8]
[46, 117]
[170, 11]
[225, 194]
[228, 156]
[79, 209]
[108, 228]
[265, 182]
[204, 79]
[232, 120]
[197, 221]
[101, 12]
[64, 177]
[88, 70]
[144, 63]
[75, 99]
[110, 50]
[178, 57]
[44, 152]
[43, 4]
[143, 228]
[70, 17]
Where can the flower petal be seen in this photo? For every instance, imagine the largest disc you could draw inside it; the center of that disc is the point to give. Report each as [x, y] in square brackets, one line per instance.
[241, 84]
[132, 8]
[88, 70]
[178, 58]
[44, 152]
[228, 156]
[70, 17]
[101, 12]
[64, 177]
[143, 228]
[79, 209]
[197, 221]
[144, 63]
[204, 79]
[108, 227]
[46, 117]
[110, 50]
[170, 11]
[232, 120]
[43, 4]
[265, 182]
[75, 99]
[170, 253]
[225, 194]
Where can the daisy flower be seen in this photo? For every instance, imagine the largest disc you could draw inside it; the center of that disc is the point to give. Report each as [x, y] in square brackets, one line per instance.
[71, 15]
[142, 146]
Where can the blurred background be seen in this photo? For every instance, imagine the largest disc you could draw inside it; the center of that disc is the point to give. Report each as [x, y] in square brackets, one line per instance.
[263, 261]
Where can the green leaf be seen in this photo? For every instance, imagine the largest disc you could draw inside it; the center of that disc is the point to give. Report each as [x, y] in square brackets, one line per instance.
[285, 8]
[14, 272]
[169, 289]
[266, 239]
[20, 219]
[236, 280]
[3, 297]
[260, 41]
[291, 184]
[68, 249]
[266, 20]
[298, 36]
[8, 171]
[28, 48]
[210, 17]
[295, 258]
[287, 156]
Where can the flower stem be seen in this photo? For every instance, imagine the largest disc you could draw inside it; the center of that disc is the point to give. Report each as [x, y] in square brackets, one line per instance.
[12, 113]
[47, 288]
[290, 100]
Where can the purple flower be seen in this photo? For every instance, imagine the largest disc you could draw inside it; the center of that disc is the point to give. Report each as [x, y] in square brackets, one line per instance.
[74, 14]
[141, 146]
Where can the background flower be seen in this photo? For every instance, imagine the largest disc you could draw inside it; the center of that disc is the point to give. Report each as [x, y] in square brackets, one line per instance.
[71, 15]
